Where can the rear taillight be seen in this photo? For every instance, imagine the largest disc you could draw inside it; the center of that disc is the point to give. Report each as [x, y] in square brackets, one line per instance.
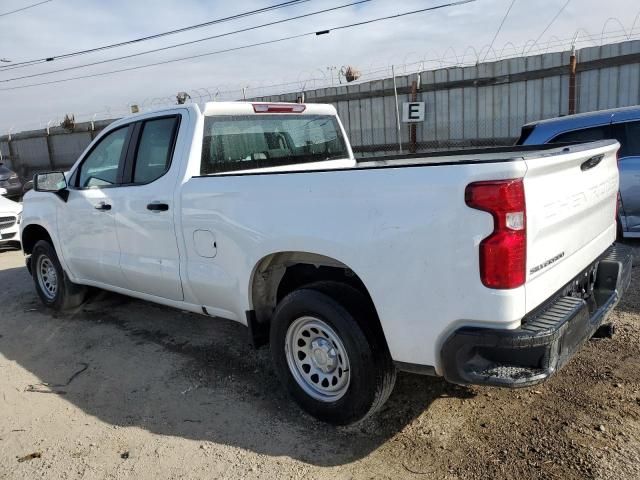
[503, 254]
[278, 108]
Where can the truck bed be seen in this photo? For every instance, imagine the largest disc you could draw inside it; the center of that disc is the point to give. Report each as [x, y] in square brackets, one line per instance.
[478, 155]
[468, 156]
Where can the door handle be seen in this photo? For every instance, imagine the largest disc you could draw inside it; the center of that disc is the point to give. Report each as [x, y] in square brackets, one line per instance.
[158, 207]
[102, 206]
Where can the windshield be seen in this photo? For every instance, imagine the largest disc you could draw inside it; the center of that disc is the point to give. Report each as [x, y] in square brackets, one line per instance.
[256, 141]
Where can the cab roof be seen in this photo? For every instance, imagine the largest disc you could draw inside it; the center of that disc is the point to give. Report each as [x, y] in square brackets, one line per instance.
[258, 108]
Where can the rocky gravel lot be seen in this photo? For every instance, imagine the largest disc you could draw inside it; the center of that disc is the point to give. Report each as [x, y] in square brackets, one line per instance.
[126, 389]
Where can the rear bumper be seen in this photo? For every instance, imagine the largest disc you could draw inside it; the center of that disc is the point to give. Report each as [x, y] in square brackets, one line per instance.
[546, 340]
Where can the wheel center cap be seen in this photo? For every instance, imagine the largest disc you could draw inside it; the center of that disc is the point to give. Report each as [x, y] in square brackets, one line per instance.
[320, 356]
[324, 355]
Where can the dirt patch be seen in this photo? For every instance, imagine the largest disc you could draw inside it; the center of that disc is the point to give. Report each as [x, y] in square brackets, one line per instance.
[127, 389]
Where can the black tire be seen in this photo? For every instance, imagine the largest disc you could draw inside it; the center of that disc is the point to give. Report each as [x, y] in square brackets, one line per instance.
[350, 314]
[68, 295]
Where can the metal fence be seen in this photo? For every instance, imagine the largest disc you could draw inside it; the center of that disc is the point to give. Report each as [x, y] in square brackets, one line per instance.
[485, 104]
[481, 105]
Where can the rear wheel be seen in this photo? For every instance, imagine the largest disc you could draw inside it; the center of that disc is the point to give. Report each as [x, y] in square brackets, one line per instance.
[317, 358]
[52, 284]
[329, 354]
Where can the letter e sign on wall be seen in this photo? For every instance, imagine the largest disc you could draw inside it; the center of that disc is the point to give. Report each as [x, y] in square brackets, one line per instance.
[413, 112]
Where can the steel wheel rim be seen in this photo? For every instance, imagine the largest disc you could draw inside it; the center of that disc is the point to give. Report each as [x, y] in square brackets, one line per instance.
[47, 277]
[317, 359]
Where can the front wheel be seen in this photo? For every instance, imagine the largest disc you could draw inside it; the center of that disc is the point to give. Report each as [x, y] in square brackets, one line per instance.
[329, 353]
[52, 284]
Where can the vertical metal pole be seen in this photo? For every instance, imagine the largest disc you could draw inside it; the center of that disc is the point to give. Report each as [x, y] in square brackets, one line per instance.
[573, 63]
[49, 150]
[412, 126]
[395, 91]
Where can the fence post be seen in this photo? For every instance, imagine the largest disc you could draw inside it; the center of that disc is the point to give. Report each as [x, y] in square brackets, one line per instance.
[395, 92]
[412, 126]
[92, 126]
[49, 148]
[573, 63]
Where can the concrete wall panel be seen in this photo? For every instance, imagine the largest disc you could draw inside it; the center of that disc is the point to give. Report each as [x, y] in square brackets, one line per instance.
[65, 149]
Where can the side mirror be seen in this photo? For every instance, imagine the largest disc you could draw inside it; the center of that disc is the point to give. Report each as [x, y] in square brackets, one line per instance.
[53, 182]
[49, 182]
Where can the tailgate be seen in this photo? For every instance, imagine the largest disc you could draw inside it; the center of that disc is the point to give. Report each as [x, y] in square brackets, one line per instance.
[571, 207]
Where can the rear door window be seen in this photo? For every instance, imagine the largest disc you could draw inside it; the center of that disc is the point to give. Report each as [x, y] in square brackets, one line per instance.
[155, 149]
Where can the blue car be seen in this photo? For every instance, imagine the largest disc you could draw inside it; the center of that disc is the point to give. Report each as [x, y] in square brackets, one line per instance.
[623, 124]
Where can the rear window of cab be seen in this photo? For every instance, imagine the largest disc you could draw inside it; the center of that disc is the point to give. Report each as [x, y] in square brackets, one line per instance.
[241, 142]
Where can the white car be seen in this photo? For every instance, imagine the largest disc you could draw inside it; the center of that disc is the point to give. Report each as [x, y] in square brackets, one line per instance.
[485, 267]
[10, 215]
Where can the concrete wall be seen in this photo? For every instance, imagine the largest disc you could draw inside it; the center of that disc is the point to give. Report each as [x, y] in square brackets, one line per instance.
[37, 150]
[481, 105]
[34, 149]
[65, 149]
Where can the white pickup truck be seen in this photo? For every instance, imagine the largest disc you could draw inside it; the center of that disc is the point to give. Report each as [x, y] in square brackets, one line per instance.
[485, 267]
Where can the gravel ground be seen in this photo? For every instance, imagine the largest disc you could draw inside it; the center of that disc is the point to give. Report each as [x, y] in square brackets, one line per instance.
[126, 389]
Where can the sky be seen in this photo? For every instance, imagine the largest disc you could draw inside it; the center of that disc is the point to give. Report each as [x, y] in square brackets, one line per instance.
[457, 34]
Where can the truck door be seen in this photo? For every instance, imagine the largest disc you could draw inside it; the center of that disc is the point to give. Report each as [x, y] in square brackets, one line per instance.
[86, 222]
[149, 256]
[629, 166]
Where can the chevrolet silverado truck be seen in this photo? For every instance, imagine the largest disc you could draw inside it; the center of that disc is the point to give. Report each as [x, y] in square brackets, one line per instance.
[485, 267]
